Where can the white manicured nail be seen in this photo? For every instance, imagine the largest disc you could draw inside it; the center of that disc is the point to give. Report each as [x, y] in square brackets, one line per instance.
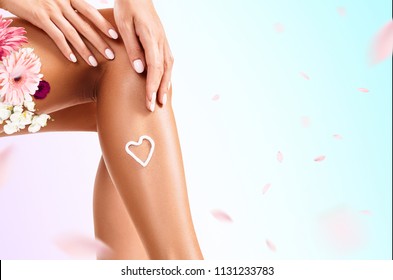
[164, 99]
[138, 66]
[169, 85]
[113, 34]
[109, 54]
[93, 61]
[73, 58]
[153, 102]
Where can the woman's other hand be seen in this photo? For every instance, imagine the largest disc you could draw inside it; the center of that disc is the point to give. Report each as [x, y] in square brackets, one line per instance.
[147, 46]
[62, 21]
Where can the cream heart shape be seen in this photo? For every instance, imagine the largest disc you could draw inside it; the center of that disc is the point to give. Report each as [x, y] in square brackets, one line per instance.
[133, 143]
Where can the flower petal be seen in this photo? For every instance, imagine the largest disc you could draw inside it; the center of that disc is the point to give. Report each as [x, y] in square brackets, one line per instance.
[79, 246]
[363, 90]
[305, 121]
[271, 245]
[279, 27]
[382, 45]
[216, 97]
[5, 162]
[221, 216]
[365, 212]
[266, 188]
[343, 230]
[341, 11]
[304, 75]
[319, 159]
[280, 157]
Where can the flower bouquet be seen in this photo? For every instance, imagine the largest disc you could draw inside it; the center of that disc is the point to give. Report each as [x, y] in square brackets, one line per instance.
[20, 81]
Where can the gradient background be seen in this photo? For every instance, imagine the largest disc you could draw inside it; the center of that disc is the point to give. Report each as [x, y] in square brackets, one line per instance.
[240, 99]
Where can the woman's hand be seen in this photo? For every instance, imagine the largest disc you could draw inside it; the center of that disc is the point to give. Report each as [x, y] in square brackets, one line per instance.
[60, 19]
[147, 46]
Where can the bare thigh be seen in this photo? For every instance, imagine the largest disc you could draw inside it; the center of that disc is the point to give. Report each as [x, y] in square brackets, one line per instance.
[71, 102]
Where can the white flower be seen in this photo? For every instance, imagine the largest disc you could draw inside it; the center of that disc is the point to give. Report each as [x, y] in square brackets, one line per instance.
[18, 109]
[26, 118]
[34, 128]
[42, 119]
[21, 119]
[16, 120]
[5, 112]
[29, 105]
[28, 97]
[38, 122]
[10, 128]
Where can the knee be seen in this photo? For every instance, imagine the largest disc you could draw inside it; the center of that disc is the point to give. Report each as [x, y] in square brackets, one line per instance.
[119, 77]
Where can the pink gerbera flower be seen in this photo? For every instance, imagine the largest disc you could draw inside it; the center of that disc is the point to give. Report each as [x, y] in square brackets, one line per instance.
[19, 76]
[11, 38]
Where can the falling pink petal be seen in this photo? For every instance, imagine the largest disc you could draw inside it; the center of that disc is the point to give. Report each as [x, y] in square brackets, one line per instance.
[382, 45]
[320, 158]
[305, 121]
[338, 136]
[343, 230]
[80, 246]
[341, 11]
[363, 90]
[304, 75]
[365, 212]
[280, 157]
[266, 188]
[279, 27]
[5, 162]
[221, 216]
[216, 97]
[270, 245]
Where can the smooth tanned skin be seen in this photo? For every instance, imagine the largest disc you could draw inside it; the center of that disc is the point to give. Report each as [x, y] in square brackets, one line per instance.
[141, 213]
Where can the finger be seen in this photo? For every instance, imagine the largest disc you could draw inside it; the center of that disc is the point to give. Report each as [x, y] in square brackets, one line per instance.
[73, 37]
[95, 17]
[89, 33]
[155, 71]
[58, 37]
[166, 78]
[133, 47]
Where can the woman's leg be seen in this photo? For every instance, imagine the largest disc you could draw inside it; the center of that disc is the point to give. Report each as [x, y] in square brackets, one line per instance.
[155, 196]
[112, 224]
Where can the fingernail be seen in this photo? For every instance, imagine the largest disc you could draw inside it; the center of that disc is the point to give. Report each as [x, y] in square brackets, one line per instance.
[164, 99]
[93, 61]
[113, 34]
[109, 54]
[169, 85]
[153, 102]
[138, 66]
[73, 58]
